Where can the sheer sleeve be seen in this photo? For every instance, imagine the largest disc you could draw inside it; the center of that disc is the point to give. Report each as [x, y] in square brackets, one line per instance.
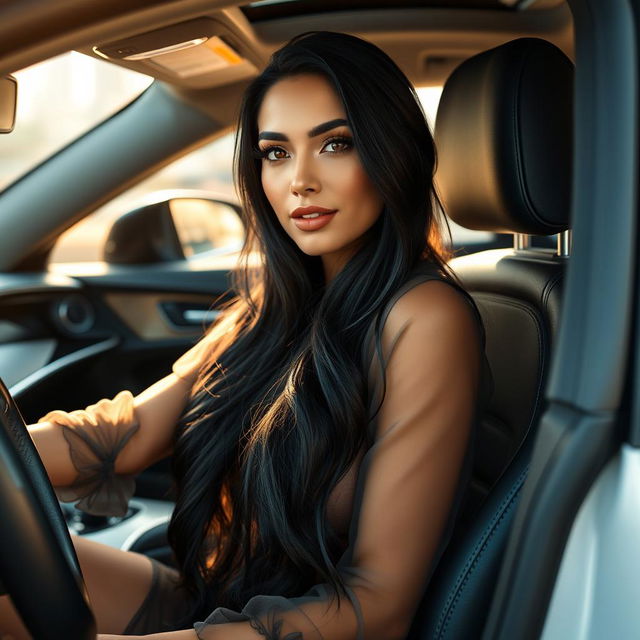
[95, 436]
[407, 489]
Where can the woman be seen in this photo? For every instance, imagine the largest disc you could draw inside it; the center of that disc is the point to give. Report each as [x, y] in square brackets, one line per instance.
[324, 423]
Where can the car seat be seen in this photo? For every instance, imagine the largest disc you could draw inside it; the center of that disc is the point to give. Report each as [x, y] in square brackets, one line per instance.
[504, 139]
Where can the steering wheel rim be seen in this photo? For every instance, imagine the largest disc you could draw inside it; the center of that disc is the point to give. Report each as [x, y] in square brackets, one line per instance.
[38, 564]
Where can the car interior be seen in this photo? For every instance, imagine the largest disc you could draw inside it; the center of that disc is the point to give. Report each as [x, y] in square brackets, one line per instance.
[73, 333]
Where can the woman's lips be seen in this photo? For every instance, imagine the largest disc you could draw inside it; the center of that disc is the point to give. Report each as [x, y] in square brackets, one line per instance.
[310, 209]
[311, 224]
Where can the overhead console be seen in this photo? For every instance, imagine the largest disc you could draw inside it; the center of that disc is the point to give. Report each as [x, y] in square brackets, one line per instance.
[203, 52]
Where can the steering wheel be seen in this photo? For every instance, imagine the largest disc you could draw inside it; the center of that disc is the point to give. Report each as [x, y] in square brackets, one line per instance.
[38, 563]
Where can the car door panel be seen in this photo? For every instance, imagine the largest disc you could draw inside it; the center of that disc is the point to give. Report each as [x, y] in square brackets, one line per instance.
[67, 340]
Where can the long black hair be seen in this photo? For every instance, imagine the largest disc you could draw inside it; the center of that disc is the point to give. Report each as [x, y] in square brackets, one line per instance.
[280, 409]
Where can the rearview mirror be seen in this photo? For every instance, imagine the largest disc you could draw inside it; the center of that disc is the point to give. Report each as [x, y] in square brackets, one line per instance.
[175, 228]
[8, 101]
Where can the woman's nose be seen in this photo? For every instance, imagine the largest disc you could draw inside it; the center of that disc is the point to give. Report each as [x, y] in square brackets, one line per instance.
[304, 179]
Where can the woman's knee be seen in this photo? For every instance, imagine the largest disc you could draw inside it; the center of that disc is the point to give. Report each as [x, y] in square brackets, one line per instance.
[117, 582]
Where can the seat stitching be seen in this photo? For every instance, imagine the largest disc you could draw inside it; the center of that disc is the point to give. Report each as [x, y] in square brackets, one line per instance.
[474, 556]
[551, 284]
[516, 123]
[474, 565]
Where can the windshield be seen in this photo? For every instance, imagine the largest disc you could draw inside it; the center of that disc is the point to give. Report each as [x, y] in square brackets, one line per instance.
[59, 100]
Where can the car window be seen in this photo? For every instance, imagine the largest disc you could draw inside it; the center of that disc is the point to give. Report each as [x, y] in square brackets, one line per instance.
[58, 101]
[209, 170]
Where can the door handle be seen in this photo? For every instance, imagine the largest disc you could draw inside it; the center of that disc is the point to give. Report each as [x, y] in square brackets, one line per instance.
[186, 315]
[200, 316]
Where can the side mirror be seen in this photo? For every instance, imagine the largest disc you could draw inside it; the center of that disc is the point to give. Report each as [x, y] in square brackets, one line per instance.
[8, 101]
[175, 229]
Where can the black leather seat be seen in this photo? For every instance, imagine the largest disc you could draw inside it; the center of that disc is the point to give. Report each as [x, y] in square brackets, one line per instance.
[504, 140]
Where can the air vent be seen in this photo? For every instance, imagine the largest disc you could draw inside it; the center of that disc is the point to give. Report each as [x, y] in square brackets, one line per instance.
[74, 314]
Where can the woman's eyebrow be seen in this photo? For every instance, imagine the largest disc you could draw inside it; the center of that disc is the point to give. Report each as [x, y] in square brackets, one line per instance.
[327, 126]
[316, 131]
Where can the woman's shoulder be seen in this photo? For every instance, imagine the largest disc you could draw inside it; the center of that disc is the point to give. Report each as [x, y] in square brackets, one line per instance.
[431, 310]
[430, 319]
[435, 308]
[430, 297]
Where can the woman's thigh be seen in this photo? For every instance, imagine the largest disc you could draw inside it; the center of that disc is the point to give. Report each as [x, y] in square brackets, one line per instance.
[117, 583]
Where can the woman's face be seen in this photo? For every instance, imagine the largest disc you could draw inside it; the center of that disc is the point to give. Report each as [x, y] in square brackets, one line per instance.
[309, 161]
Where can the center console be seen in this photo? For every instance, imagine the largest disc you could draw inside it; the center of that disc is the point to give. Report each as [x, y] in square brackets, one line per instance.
[140, 529]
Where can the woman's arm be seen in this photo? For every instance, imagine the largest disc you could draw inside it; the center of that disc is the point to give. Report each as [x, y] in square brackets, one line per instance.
[156, 410]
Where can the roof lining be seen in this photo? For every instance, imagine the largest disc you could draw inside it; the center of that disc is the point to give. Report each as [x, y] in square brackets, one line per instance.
[414, 37]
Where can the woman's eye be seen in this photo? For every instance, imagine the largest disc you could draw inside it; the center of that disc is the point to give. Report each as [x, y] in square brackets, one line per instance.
[275, 153]
[338, 145]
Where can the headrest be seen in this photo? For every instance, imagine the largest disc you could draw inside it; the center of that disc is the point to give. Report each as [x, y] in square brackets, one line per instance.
[504, 139]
